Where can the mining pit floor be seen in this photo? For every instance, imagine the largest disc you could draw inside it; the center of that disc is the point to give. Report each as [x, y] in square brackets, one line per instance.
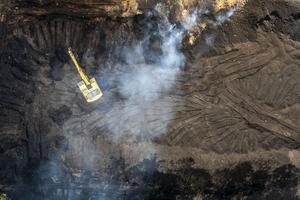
[199, 102]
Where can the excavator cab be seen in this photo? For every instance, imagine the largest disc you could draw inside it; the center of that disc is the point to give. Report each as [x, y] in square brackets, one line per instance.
[88, 87]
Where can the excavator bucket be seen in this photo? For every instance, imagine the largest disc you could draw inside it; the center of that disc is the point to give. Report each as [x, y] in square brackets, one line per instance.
[89, 87]
[90, 92]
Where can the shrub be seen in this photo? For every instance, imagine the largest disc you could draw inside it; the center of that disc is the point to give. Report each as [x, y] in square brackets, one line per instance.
[4, 197]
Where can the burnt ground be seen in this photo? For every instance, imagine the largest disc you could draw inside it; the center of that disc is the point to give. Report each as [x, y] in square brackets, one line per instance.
[234, 131]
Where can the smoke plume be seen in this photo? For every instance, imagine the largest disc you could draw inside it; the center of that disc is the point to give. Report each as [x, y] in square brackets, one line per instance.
[145, 86]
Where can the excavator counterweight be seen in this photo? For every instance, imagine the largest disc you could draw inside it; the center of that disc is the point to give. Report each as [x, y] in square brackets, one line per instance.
[88, 87]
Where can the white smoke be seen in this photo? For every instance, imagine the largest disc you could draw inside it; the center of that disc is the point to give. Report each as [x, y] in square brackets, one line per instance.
[147, 108]
[223, 17]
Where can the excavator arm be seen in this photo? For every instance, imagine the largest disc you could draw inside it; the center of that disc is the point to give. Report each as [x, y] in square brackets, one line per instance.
[81, 73]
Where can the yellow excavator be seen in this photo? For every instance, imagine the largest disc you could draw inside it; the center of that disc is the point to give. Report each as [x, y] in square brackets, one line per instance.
[89, 87]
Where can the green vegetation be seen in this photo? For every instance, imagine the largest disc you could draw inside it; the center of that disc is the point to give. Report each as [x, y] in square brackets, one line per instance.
[4, 197]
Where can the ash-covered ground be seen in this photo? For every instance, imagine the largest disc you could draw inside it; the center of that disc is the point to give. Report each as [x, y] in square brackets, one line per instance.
[201, 99]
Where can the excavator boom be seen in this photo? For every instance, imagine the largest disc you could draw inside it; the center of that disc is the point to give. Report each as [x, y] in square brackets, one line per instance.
[81, 73]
